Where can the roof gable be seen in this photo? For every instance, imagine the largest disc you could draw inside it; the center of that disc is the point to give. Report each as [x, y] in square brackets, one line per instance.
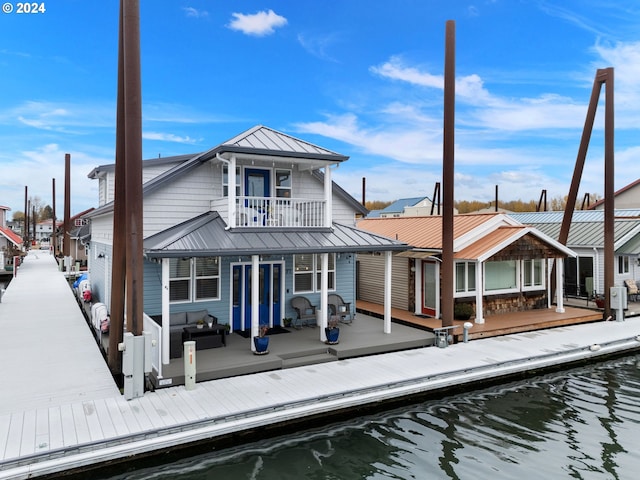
[11, 236]
[261, 139]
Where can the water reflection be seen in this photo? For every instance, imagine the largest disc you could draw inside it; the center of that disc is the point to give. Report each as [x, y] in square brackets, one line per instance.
[580, 424]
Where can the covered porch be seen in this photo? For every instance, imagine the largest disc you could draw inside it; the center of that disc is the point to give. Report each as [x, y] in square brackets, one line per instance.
[363, 336]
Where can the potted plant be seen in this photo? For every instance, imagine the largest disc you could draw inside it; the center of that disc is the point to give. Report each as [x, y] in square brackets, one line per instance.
[287, 321]
[332, 331]
[261, 342]
[462, 311]
[200, 324]
[599, 299]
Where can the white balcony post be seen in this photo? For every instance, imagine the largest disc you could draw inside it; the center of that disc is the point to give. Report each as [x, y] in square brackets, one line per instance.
[231, 185]
[328, 207]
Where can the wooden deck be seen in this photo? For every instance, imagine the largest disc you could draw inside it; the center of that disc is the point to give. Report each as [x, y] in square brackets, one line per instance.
[494, 325]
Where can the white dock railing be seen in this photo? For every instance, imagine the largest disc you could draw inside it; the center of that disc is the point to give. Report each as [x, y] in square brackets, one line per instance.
[279, 212]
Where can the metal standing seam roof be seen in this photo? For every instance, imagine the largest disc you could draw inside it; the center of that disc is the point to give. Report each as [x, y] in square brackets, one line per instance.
[258, 140]
[530, 218]
[207, 235]
[422, 232]
[591, 234]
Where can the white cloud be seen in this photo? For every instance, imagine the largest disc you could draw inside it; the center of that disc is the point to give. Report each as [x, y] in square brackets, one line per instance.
[35, 169]
[317, 45]
[258, 24]
[169, 137]
[195, 13]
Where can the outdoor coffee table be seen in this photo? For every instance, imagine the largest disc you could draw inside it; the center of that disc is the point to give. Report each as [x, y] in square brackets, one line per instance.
[200, 335]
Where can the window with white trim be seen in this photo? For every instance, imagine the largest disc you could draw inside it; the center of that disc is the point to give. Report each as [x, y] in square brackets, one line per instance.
[179, 279]
[533, 274]
[501, 276]
[194, 279]
[465, 281]
[283, 183]
[307, 272]
[623, 264]
[225, 181]
[207, 278]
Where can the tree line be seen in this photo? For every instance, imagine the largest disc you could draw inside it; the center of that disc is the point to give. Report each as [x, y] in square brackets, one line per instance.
[468, 206]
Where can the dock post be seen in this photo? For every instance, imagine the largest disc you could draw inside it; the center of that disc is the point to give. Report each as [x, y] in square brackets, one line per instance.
[189, 356]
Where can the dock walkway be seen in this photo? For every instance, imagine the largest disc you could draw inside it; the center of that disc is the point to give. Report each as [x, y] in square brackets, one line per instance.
[51, 434]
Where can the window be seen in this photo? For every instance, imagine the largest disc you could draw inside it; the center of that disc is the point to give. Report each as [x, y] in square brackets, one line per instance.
[207, 278]
[283, 183]
[501, 276]
[179, 280]
[307, 273]
[225, 181]
[533, 274]
[465, 281]
[623, 264]
[194, 279]
[331, 272]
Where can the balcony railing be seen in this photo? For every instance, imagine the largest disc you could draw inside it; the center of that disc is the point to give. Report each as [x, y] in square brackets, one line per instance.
[279, 212]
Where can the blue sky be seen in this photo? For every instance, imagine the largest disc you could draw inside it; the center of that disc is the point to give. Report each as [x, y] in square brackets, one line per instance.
[361, 77]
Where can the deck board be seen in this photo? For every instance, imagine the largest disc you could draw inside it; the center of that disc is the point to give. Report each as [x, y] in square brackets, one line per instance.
[56, 430]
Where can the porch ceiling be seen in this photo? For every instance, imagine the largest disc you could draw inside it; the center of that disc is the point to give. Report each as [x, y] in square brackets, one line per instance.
[207, 235]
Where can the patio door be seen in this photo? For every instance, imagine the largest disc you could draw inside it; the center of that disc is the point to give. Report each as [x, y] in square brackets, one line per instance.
[430, 290]
[269, 283]
[578, 276]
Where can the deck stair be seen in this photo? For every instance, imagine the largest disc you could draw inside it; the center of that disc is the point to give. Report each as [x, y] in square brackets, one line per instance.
[307, 357]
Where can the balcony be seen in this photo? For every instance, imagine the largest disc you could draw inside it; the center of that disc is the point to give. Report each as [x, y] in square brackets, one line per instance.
[277, 212]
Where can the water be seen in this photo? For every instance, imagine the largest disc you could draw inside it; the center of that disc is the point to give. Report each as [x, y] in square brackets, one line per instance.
[582, 423]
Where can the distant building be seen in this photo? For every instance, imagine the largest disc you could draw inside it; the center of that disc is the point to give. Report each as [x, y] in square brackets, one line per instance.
[408, 207]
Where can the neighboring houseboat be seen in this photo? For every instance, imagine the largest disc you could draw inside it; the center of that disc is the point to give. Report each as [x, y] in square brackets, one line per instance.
[501, 265]
[238, 231]
[584, 275]
[10, 242]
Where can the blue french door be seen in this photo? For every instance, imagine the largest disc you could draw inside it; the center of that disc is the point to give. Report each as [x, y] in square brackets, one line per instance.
[268, 295]
[257, 182]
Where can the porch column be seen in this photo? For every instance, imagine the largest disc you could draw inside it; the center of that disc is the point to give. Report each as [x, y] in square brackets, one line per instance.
[255, 299]
[166, 313]
[479, 290]
[387, 292]
[328, 204]
[559, 286]
[324, 295]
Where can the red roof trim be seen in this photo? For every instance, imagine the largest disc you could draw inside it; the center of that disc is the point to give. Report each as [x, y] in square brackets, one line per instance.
[11, 235]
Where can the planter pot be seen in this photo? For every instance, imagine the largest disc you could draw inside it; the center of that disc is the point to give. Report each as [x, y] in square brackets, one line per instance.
[332, 335]
[200, 325]
[599, 303]
[262, 345]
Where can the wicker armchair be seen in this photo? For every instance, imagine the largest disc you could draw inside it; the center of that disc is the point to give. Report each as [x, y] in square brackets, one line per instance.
[306, 312]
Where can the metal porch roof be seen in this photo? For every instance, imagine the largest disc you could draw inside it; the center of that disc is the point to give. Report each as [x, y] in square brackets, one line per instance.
[207, 235]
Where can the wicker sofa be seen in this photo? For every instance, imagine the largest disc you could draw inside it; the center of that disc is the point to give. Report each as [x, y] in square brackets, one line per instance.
[180, 320]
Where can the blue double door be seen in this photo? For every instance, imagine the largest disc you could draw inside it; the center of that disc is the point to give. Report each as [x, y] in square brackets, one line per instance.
[269, 293]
